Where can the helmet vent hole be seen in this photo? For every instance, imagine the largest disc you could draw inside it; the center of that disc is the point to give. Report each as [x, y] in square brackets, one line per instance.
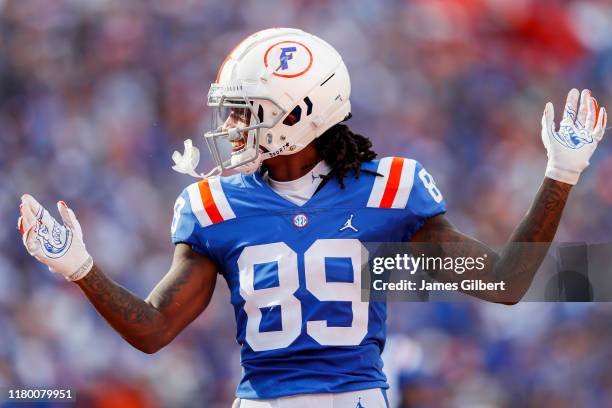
[308, 106]
[294, 116]
[260, 114]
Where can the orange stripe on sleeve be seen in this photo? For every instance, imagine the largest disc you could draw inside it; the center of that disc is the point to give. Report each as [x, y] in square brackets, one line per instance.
[395, 173]
[209, 203]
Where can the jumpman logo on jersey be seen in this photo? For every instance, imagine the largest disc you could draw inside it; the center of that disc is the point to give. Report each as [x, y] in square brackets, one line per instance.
[320, 176]
[349, 224]
[359, 404]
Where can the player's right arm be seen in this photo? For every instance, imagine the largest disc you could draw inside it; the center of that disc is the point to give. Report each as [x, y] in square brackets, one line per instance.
[147, 324]
[150, 324]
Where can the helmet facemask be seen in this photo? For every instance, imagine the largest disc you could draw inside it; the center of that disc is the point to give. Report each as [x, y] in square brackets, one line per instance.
[246, 112]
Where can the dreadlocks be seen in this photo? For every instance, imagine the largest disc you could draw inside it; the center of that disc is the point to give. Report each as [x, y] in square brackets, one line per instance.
[344, 151]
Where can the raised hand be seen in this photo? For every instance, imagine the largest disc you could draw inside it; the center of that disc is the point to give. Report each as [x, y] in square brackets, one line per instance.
[581, 129]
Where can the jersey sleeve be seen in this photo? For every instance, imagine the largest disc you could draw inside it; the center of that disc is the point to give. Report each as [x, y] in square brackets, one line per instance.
[185, 226]
[404, 185]
[426, 199]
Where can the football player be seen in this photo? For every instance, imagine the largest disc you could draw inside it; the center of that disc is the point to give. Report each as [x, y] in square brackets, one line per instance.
[287, 231]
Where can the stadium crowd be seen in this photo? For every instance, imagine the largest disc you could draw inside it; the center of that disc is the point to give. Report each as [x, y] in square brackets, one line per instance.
[95, 95]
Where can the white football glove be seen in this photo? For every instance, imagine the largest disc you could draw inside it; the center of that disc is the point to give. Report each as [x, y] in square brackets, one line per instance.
[60, 247]
[581, 129]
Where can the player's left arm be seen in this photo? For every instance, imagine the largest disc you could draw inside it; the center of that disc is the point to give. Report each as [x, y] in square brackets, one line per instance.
[517, 263]
[569, 151]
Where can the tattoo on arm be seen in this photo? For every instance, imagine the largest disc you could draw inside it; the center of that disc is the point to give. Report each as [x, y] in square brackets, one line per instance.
[521, 257]
[178, 298]
[165, 294]
[541, 222]
[134, 319]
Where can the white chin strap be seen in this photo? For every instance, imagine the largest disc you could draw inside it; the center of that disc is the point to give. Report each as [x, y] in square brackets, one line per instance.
[253, 164]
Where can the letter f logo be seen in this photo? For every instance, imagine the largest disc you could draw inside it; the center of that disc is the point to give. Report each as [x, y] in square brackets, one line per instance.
[286, 55]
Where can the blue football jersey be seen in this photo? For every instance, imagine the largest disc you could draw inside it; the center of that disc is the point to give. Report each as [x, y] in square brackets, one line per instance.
[294, 271]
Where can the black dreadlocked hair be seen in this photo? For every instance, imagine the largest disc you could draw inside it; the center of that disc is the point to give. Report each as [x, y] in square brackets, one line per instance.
[344, 151]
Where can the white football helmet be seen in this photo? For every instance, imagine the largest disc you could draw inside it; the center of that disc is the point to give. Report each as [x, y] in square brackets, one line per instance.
[284, 88]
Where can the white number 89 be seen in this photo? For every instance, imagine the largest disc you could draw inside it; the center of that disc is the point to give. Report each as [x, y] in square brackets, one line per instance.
[316, 283]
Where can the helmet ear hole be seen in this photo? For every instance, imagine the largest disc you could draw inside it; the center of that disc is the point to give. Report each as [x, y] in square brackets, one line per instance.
[293, 117]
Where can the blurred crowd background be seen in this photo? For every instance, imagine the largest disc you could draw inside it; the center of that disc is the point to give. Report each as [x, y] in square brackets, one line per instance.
[96, 94]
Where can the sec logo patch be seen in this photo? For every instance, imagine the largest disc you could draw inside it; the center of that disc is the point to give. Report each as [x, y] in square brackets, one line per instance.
[300, 220]
[289, 59]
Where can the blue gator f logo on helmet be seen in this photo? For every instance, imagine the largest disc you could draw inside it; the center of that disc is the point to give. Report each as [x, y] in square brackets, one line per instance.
[286, 55]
